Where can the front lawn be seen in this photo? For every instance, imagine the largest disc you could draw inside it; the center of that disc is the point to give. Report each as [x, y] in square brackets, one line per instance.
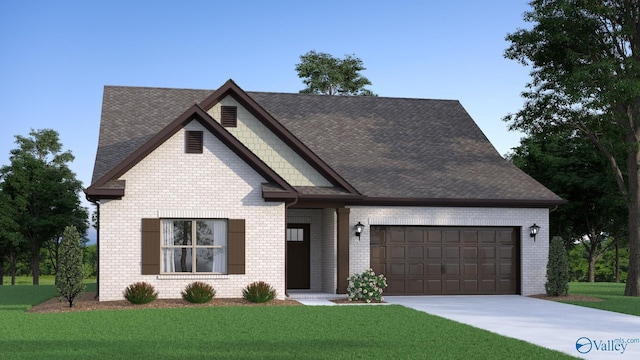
[612, 296]
[271, 332]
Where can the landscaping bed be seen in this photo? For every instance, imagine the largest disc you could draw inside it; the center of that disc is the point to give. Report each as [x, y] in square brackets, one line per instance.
[88, 302]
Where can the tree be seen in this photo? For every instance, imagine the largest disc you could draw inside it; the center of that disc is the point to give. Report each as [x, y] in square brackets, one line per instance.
[557, 269]
[567, 163]
[325, 74]
[11, 242]
[71, 267]
[43, 190]
[585, 60]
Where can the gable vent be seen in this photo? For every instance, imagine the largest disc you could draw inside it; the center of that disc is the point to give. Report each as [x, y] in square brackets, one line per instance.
[193, 141]
[229, 116]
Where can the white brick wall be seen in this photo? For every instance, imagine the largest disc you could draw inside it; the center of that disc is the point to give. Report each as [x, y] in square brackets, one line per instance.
[171, 183]
[534, 255]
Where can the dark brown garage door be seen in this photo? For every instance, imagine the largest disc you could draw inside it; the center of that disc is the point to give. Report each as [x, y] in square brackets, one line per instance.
[421, 260]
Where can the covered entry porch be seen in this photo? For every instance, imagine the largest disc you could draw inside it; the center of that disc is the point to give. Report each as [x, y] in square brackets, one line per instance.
[317, 251]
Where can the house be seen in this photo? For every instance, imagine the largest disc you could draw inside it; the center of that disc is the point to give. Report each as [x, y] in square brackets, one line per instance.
[230, 187]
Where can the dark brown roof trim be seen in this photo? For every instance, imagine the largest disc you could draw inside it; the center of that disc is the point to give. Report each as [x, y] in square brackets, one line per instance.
[97, 194]
[499, 203]
[231, 88]
[195, 112]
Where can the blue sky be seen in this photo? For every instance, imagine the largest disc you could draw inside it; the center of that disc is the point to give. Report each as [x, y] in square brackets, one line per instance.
[58, 55]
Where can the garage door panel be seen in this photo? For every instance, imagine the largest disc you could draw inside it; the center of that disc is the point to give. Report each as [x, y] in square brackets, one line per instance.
[415, 286]
[379, 268]
[414, 235]
[487, 252]
[415, 252]
[470, 286]
[488, 270]
[451, 269]
[470, 252]
[434, 236]
[396, 269]
[451, 252]
[416, 269]
[395, 252]
[451, 237]
[395, 235]
[469, 270]
[434, 269]
[395, 286]
[446, 260]
[434, 252]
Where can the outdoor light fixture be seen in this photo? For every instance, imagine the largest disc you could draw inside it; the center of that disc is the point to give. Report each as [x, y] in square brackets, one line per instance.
[534, 231]
[359, 228]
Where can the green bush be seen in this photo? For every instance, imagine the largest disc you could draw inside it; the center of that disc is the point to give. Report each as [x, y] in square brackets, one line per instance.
[70, 272]
[557, 269]
[366, 286]
[259, 292]
[140, 293]
[198, 292]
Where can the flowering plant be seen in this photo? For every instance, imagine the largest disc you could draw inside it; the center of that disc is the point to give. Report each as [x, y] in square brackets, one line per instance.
[366, 286]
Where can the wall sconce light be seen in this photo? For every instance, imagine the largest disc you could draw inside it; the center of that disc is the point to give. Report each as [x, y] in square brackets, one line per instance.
[533, 231]
[359, 229]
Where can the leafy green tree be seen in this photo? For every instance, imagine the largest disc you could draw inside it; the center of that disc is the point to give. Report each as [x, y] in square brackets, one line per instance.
[557, 269]
[566, 162]
[70, 267]
[324, 74]
[585, 60]
[43, 190]
[12, 244]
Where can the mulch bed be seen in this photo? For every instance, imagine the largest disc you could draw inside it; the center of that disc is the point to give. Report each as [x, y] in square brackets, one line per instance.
[569, 297]
[88, 303]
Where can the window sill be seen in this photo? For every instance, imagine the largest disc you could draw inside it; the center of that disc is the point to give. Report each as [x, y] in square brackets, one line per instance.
[192, 277]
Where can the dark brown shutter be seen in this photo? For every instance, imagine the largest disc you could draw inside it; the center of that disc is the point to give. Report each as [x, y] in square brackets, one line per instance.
[193, 141]
[229, 116]
[150, 246]
[236, 247]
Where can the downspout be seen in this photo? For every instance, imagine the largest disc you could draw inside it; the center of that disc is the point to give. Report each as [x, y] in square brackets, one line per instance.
[286, 217]
[97, 204]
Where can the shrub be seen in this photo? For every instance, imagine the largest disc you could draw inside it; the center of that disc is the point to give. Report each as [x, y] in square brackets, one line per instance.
[259, 292]
[198, 292]
[557, 269]
[70, 268]
[366, 286]
[140, 293]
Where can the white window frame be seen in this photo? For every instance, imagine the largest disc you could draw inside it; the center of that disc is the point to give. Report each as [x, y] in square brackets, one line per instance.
[194, 247]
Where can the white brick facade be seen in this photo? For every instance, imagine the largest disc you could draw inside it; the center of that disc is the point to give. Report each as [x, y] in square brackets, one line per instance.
[171, 183]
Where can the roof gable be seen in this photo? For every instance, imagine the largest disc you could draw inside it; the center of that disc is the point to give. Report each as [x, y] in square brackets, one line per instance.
[104, 188]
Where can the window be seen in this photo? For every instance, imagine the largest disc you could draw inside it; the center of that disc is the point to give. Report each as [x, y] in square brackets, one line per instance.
[295, 234]
[229, 116]
[193, 142]
[181, 254]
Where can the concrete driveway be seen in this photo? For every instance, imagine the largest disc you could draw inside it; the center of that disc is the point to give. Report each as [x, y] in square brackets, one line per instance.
[574, 330]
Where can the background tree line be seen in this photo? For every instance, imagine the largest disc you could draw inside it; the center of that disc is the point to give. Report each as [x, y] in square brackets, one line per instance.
[39, 197]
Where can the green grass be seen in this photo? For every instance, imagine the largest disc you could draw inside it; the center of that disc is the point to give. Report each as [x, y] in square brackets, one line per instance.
[612, 295]
[28, 280]
[265, 332]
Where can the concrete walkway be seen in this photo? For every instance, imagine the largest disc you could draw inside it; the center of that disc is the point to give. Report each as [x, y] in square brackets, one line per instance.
[575, 330]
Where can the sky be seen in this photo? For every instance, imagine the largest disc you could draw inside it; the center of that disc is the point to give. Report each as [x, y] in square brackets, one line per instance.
[56, 56]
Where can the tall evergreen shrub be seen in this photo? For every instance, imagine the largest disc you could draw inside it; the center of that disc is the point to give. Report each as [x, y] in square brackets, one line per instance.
[70, 267]
[557, 269]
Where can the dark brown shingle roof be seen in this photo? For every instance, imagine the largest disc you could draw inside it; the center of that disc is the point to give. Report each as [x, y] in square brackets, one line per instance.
[388, 148]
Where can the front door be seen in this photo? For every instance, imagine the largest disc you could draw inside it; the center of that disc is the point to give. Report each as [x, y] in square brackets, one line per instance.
[298, 256]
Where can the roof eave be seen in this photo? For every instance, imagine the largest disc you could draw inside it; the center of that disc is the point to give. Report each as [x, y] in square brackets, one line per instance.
[497, 203]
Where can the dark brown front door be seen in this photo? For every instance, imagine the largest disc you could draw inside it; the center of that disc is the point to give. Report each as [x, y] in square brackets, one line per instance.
[298, 256]
[446, 260]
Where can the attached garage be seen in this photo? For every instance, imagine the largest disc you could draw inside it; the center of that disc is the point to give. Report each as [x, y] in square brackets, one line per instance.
[419, 260]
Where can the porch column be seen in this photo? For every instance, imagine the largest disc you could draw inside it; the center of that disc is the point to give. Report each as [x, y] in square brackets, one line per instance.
[343, 232]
